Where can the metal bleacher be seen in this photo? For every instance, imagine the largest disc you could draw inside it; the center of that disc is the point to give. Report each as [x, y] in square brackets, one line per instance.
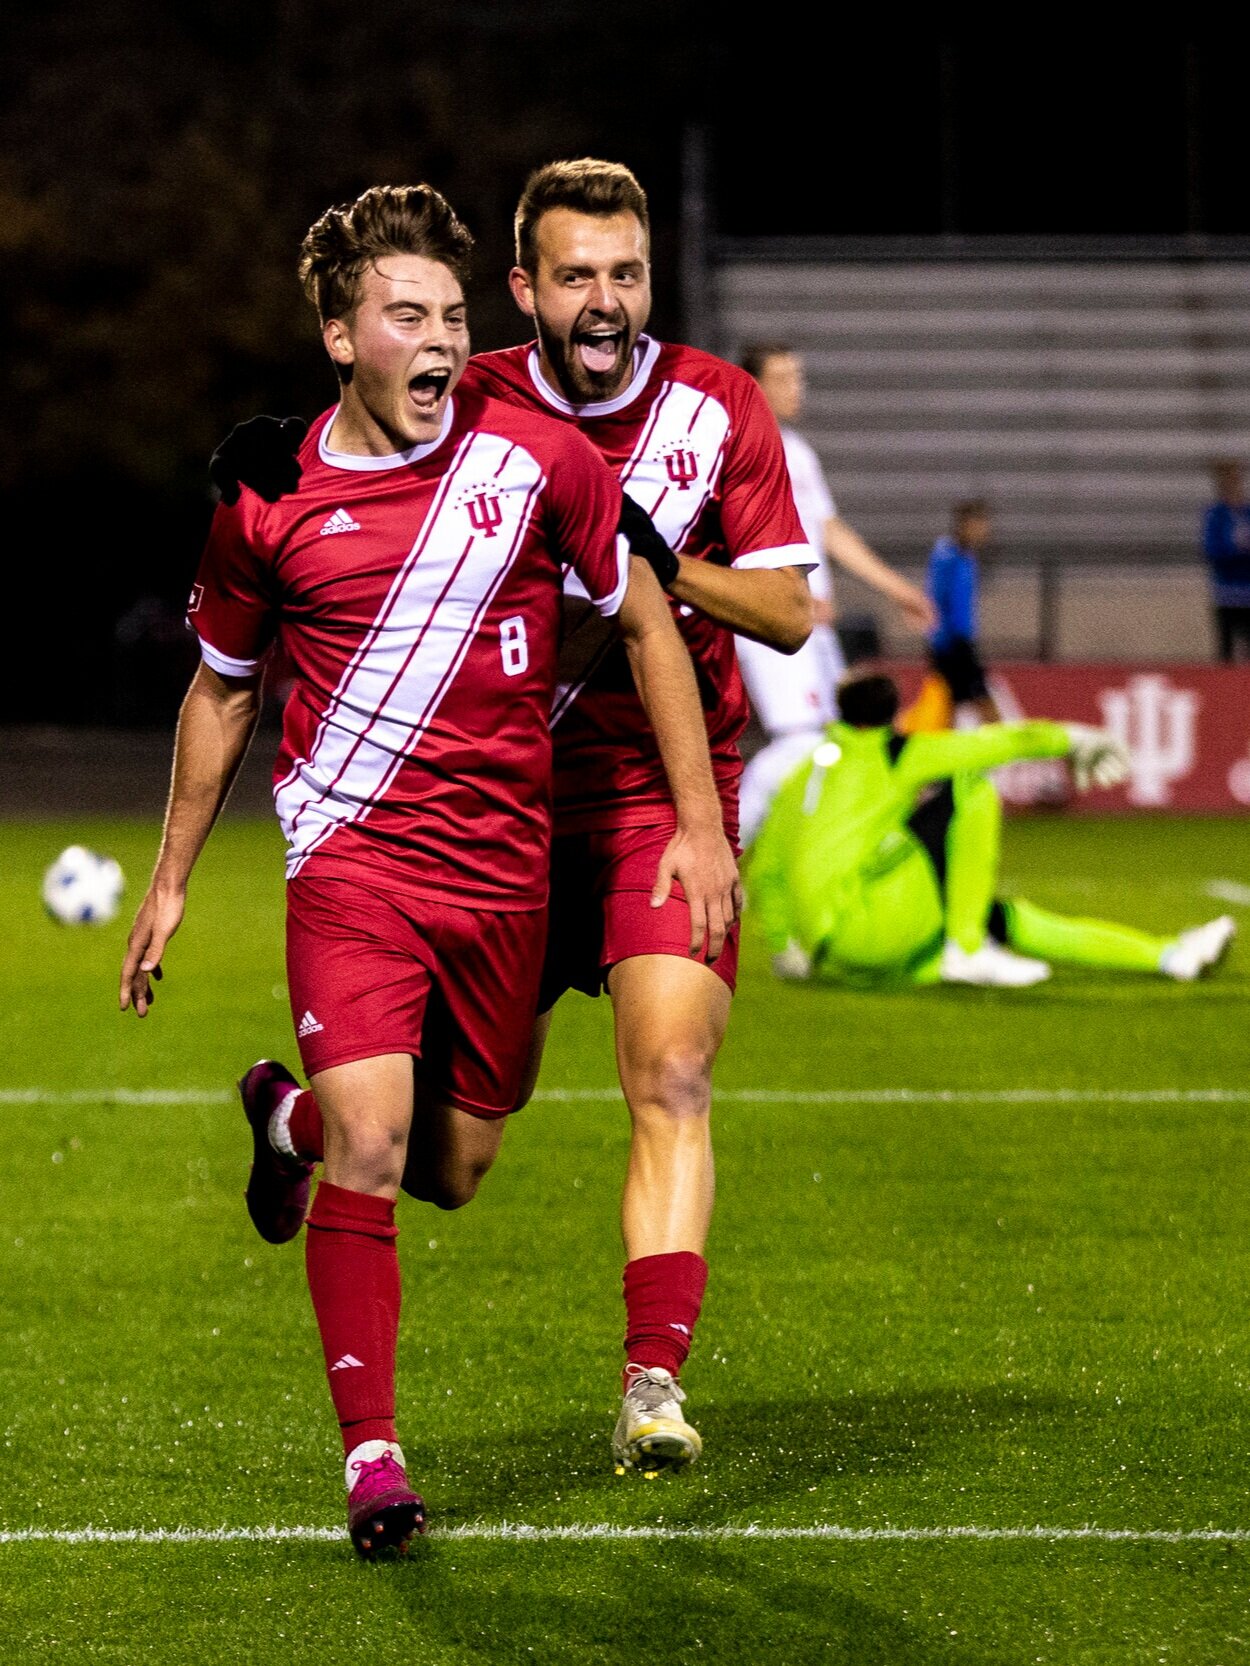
[1083, 393]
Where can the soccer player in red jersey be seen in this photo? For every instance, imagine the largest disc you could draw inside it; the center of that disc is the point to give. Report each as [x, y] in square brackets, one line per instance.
[694, 443]
[416, 576]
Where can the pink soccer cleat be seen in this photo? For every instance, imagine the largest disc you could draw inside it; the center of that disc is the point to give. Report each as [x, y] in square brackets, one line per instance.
[278, 1187]
[383, 1512]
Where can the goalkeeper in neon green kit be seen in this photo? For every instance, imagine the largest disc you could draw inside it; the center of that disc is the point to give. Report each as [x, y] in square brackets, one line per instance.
[878, 861]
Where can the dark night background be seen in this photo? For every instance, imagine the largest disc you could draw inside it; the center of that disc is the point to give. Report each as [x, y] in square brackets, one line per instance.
[158, 169]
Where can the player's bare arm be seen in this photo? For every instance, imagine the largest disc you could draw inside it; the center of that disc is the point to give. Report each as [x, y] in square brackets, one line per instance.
[698, 856]
[844, 546]
[772, 605]
[215, 726]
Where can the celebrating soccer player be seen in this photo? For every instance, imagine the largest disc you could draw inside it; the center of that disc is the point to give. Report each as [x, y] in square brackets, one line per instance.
[416, 575]
[695, 446]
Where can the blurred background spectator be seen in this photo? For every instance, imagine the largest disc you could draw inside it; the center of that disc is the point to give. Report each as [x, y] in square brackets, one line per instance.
[792, 695]
[953, 582]
[1226, 545]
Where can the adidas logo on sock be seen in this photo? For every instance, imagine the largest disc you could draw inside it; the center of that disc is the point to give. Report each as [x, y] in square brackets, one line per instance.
[308, 1025]
[346, 1363]
[340, 521]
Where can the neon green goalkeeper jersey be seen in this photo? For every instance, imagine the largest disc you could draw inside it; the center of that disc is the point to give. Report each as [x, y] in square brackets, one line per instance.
[847, 807]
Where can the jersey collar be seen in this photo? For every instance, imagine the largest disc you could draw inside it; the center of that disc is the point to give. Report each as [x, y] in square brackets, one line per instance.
[646, 352]
[396, 459]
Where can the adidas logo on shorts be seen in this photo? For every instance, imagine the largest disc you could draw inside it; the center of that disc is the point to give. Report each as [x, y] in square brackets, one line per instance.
[308, 1025]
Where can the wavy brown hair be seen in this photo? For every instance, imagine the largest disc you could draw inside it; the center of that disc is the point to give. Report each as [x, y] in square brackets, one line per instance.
[340, 247]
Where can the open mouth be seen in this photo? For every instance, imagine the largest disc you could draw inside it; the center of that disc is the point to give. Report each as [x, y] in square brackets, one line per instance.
[598, 349]
[426, 390]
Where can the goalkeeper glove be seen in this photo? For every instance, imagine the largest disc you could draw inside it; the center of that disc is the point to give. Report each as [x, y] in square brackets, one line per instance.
[1097, 758]
[646, 541]
[259, 453]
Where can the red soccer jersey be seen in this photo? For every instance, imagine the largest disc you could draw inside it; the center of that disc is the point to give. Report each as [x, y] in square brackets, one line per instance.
[693, 441]
[419, 601]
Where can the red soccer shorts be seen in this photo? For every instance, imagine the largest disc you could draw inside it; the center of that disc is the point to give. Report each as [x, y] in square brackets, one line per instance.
[456, 987]
[601, 911]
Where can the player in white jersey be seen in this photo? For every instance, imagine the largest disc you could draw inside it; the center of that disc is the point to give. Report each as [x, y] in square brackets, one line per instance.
[793, 696]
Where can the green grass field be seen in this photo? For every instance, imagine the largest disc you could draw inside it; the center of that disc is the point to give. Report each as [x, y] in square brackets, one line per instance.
[980, 1262]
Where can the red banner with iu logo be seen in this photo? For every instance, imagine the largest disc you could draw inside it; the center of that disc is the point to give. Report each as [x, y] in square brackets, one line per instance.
[1187, 728]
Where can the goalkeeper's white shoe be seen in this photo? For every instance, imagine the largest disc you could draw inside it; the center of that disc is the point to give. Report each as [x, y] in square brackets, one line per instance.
[991, 966]
[651, 1434]
[1197, 949]
[792, 964]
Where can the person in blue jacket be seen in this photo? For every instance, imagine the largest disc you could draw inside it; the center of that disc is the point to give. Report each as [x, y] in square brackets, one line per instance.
[953, 582]
[1226, 545]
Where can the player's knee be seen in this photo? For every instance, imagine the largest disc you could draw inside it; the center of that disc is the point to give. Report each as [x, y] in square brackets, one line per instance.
[678, 1084]
[446, 1190]
[375, 1156]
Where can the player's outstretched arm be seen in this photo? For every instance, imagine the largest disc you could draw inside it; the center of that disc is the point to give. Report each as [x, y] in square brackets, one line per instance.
[772, 605]
[1097, 758]
[214, 727]
[260, 453]
[845, 546]
[698, 856]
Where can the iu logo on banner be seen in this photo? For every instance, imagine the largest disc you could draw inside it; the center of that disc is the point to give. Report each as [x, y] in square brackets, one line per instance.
[1156, 722]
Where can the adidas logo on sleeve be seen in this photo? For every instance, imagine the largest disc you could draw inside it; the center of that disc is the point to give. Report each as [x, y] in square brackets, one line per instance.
[340, 521]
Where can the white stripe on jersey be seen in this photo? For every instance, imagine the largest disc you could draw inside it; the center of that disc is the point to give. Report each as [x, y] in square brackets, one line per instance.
[399, 674]
[681, 421]
[802, 556]
[223, 664]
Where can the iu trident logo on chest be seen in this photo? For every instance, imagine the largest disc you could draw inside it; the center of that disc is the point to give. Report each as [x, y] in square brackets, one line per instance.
[484, 509]
[681, 465]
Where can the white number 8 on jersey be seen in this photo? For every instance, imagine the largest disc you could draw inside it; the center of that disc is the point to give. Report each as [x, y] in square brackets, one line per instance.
[513, 647]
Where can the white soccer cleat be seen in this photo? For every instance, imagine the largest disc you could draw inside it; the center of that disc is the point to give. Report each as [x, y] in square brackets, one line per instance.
[651, 1434]
[991, 966]
[1197, 949]
[792, 964]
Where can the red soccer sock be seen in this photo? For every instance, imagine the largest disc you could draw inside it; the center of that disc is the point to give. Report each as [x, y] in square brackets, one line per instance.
[306, 1129]
[663, 1295]
[353, 1278]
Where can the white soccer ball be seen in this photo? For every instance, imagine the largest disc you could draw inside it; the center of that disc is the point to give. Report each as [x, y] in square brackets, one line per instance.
[82, 887]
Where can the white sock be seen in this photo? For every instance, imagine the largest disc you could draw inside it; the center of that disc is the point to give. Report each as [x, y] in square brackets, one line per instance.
[280, 1125]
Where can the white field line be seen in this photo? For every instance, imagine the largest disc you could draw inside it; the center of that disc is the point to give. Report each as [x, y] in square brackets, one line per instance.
[159, 1097]
[723, 1096]
[1228, 890]
[597, 1532]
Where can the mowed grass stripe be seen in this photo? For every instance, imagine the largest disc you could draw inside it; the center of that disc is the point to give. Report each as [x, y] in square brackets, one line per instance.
[742, 1096]
[598, 1532]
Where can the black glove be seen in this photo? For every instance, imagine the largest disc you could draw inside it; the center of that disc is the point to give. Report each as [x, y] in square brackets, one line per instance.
[645, 540]
[259, 453]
